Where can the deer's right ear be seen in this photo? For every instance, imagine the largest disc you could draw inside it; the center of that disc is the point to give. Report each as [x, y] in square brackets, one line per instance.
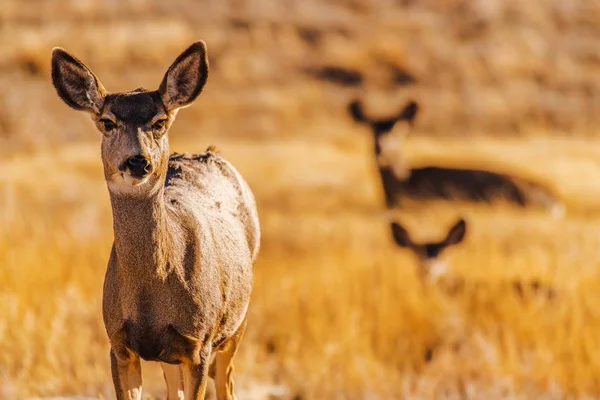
[75, 83]
[409, 112]
[401, 235]
[456, 234]
[356, 111]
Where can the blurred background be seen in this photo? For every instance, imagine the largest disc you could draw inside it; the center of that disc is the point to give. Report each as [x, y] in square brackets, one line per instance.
[338, 311]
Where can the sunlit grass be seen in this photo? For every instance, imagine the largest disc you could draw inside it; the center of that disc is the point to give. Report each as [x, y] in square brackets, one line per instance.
[337, 310]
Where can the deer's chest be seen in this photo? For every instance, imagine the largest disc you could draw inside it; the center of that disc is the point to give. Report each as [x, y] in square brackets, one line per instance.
[169, 303]
[159, 324]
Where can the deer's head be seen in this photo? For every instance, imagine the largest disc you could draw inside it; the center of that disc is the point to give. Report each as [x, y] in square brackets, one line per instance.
[134, 125]
[387, 135]
[431, 261]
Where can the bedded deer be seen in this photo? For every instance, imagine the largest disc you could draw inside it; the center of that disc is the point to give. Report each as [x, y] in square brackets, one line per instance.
[434, 182]
[432, 266]
[186, 234]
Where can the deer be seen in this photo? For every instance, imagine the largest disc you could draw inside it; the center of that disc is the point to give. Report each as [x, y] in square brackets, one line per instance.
[439, 285]
[441, 183]
[432, 265]
[186, 233]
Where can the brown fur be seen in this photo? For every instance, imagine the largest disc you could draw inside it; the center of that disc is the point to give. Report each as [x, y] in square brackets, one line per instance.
[186, 231]
[433, 182]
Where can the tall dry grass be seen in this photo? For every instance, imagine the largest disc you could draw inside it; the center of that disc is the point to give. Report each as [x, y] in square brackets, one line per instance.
[337, 311]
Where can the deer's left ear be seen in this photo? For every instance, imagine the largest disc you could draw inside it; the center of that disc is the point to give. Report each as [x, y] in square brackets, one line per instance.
[185, 78]
[356, 112]
[456, 234]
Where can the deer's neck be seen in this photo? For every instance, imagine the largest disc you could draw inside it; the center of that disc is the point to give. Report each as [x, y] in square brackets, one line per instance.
[392, 167]
[390, 155]
[142, 238]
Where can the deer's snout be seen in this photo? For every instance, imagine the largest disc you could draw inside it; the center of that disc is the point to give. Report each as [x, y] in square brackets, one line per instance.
[138, 166]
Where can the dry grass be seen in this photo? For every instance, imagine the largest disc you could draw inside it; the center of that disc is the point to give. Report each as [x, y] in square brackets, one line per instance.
[337, 311]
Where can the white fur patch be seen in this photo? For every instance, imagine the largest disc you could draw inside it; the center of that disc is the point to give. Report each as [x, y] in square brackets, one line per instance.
[389, 149]
[558, 211]
[124, 183]
[435, 268]
[391, 154]
[135, 393]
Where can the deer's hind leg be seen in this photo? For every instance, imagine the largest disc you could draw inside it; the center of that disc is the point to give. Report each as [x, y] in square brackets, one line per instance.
[174, 379]
[222, 367]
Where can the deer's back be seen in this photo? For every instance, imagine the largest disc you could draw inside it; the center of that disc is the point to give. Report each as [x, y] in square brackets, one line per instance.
[468, 184]
[207, 187]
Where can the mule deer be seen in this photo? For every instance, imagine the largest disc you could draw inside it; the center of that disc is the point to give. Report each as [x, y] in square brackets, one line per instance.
[432, 182]
[186, 234]
[432, 265]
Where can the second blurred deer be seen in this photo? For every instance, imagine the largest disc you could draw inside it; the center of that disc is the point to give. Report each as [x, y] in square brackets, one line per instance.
[432, 267]
[434, 182]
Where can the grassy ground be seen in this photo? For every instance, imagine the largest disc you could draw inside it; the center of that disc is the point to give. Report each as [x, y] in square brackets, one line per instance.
[337, 311]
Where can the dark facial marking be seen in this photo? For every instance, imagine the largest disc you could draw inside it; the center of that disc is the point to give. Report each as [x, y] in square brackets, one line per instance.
[136, 108]
[432, 250]
[383, 126]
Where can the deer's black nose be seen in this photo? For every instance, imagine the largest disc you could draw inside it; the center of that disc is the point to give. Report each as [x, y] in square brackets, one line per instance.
[138, 166]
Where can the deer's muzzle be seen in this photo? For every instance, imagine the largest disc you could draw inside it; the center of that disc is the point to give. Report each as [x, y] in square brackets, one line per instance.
[138, 166]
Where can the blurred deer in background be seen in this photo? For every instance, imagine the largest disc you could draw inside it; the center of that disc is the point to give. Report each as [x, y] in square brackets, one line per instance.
[432, 182]
[186, 234]
[432, 265]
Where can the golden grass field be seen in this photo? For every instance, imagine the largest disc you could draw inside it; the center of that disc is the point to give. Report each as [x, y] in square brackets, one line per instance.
[337, 310]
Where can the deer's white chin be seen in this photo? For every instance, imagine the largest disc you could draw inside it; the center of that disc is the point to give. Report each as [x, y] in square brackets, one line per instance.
[122, 181]
[436, 269]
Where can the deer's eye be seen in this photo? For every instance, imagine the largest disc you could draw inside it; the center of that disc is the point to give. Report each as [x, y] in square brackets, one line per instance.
[159, 125]
[108, 124]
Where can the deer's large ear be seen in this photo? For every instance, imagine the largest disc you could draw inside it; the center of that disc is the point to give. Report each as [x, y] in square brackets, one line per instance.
[75, 83]
[401, 235]
[456, 234]
[356, 111]
[185, 78]
[409, 112]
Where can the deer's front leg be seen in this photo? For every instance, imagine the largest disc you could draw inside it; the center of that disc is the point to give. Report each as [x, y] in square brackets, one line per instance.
[127, 374]
[195, 375]
[174, 381]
